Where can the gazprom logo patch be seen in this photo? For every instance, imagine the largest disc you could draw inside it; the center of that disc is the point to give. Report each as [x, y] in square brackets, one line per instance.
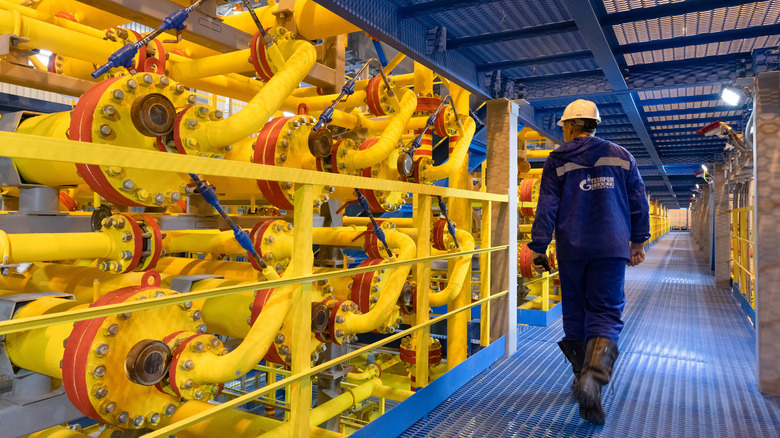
[605, 182]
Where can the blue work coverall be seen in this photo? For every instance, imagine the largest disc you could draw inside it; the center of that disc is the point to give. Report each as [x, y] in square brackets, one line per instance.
[594, 199]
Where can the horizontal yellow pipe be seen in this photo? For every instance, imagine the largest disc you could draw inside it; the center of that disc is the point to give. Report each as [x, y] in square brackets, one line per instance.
[364, 221]
[58, 432]
[232, 62]
[537, 154]
[40, 247]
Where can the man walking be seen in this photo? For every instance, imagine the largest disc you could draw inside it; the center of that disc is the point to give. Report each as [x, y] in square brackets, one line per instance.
[594, 199]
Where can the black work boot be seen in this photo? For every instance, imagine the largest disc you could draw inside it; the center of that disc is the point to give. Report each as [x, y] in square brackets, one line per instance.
[575, 353]
[600, 356]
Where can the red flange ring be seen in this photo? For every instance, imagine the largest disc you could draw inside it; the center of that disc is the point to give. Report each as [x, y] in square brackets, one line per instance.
[257, 239]
[439, 231]
[524, 262]
[373, 96]
[258, 57]
[440, 124]
[156, 242]
[332, 322]
[265, 153]
[526, 195]
[261, 298]
[361, 286]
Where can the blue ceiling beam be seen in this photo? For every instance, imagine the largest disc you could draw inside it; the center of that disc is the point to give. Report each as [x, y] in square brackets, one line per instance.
[562, 57]
[687, 7]
[438, 6]
[691, 111]
[704, 38]
[511, 35]
[592, 33]
[530, 118]
[679, 99]
[381, 20]
[696, 121]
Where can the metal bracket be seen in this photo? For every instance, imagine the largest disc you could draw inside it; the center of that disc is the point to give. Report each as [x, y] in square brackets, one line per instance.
[8, 307]
[184, 284]
[9, 41]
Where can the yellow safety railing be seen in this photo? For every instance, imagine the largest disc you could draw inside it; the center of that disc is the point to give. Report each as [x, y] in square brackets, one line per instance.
[742, 245]
[299, 384]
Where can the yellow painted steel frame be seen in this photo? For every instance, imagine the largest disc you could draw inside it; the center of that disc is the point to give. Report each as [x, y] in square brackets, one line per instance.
[60, 150]
[742, 244]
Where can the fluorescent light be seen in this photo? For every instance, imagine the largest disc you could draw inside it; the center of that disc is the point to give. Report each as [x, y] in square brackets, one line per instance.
[731, 96]
[697, 186]
[704, 168]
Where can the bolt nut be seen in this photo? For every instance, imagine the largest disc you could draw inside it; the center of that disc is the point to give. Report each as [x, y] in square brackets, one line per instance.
[279, 338]
[131, 84]
[164, 81]
[105, 130]
[191, 123]
[109, 407]
[189, 384]
[214, 343]
[126, 315]
[284, 349]
[198, 347]
[139, 421]
[154, 418]
[186, 305]
[196, 315]
[127, 236]
[187, 365]
[192, 99]
[199, 394]
[109, 110]
[218, 114]
[202, 328]
[289, 227]
[340, 319]
[101, 392]
[148, 79]
[118, 94]
[159, 199]
[100, 371]
[101, 350]
[179, 88]
[127, 255]
[128, 184]
[122, 417]
[170, 409]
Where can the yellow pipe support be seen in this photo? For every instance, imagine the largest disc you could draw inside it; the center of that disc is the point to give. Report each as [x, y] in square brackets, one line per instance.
[389, 295]
[267, 101]
[389, 139]
[331, 408]
[461, 270]
[457, 157]
[41, 350]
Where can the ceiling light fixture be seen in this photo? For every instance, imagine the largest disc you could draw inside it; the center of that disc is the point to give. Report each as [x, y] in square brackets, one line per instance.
[731, 95]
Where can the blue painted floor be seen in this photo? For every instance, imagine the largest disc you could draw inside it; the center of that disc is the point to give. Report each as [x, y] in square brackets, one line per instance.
[686, 368]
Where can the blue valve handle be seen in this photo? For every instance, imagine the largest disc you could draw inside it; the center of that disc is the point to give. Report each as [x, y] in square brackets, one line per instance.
[242, 237]
[450, 226]
[377, 229]
[124, 56]
[347, 90]
[380, 52]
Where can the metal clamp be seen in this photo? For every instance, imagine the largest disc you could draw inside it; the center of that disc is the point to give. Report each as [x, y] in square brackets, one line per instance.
[184, 284]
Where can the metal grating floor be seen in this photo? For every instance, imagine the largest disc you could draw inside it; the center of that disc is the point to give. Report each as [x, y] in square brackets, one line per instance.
[686, 369]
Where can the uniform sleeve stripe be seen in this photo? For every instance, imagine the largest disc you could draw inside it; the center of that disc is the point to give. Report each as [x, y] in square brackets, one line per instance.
[604, 161]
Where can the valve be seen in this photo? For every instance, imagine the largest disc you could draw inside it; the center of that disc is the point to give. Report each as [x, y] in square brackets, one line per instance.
[406, 160]
[450, 225]
[377, 229]
[124, 56]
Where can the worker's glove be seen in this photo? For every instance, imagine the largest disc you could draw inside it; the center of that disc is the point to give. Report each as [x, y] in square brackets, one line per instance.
[637, 254]
[540, 267]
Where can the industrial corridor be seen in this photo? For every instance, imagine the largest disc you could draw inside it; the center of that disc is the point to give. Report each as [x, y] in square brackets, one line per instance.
[686, 368]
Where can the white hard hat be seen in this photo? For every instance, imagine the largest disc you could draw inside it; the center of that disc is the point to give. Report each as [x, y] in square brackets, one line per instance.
[580, 109]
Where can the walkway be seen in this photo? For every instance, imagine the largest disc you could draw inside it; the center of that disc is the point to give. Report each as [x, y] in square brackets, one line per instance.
[686, 369]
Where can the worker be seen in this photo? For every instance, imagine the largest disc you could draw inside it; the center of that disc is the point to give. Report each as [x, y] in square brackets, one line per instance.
[593, 198]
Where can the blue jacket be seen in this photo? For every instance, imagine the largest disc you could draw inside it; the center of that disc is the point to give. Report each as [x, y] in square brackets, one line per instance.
[592, 195]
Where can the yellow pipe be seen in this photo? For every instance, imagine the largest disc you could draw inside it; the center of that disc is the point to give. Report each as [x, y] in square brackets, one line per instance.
[389, 139]
[37, 63]
[457, 157]
[25, 248]
[41, 350]
[58, 432]
[373, 370]
[389, 295]
[312, 20]
[538, 154]
[233, 62]
[391, 393]
[423, 80]
[265, 103]
[460, 271]
[57, 39]
[331, 408]
[364, 221]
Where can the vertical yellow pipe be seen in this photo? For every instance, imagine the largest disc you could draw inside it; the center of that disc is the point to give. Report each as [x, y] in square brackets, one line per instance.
[300, 400]
[422, 275]
[460, 213]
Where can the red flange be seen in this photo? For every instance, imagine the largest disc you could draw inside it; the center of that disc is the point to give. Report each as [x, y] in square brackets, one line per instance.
[361, 286]
[439, 231]
[258, 57]
[373, 96]
[265, 153]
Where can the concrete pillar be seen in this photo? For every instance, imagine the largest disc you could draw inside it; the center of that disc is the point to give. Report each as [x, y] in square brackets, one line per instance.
[722, 227]
[502, 178]
[767, 239]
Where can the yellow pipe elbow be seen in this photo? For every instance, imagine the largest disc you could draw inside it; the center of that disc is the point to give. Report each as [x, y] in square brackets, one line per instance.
[390, 137]
[267, 101]
[460, 271]
[58, 432]
[388, 298]
[457, 157]
[233, 62]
